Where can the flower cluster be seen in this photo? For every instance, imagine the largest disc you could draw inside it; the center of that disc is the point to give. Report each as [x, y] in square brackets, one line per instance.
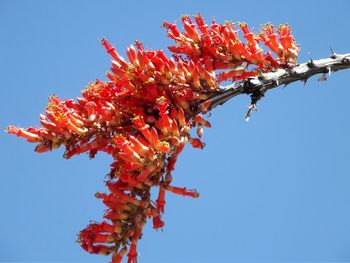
[142, 116]
[218, 47]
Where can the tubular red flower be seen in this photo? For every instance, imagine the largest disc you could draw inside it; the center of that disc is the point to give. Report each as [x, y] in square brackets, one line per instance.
[161, 200]
[115, 190]
[182, 191]
[190, 29]
[143, 115]
[196, 143]
[157, 222]
[173, 32]
[199, 119]
[111, 51]
[247, 34]
[132, 55]
[31, 137]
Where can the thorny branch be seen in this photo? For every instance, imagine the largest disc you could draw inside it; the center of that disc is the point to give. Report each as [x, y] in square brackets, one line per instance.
[257, 86]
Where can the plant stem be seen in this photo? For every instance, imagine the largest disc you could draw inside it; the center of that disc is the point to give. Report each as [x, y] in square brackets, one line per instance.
[257, 86]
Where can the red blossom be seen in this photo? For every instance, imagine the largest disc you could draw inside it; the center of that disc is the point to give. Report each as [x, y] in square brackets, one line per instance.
[142, 117]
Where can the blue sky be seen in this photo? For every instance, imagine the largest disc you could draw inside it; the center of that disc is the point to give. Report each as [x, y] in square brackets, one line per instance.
[274, 189]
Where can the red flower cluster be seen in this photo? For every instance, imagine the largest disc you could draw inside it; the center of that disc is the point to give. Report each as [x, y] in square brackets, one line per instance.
[143, 115]
[218, 47]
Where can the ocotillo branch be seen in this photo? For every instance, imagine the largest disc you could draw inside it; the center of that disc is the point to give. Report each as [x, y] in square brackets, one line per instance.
[257, 86]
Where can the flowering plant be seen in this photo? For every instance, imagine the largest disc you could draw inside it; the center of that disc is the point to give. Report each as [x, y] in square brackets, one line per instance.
[143, 117]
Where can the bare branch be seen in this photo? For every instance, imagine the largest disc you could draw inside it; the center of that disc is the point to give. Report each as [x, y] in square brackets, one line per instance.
[257, 86]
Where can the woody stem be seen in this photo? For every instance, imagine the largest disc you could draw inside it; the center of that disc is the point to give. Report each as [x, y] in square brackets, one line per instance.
[257, 86]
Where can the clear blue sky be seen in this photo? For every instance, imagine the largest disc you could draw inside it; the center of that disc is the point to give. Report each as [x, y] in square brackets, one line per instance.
[274, 189]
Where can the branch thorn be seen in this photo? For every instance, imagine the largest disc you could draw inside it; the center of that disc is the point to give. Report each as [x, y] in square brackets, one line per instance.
[329, 70]
[333, 54]
[310, 63]
[304, 80]
[252, 107]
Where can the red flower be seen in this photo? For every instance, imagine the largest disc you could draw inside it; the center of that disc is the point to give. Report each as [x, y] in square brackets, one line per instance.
[142, 117]
[30, 136]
